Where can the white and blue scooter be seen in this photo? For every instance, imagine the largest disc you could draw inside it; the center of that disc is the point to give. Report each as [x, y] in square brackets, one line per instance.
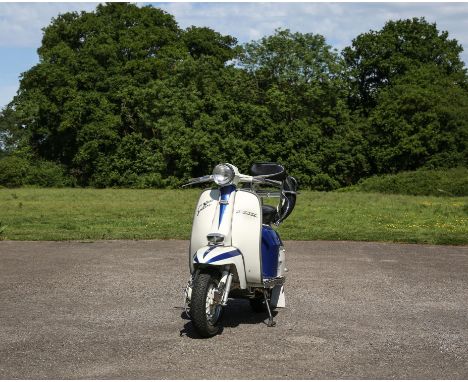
[234, 250]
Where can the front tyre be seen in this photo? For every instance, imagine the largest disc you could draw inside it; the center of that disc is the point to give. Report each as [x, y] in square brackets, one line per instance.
[204, 310]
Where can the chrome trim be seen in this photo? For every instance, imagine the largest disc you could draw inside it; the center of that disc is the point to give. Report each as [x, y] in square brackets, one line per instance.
[264, 179]
[222, 291]
[231, 178]
[227, 289]
[188, 296]
[269, 283]
[269, 194]
[215, 238]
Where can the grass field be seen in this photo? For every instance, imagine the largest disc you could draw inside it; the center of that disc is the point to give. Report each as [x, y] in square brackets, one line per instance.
[89, 214]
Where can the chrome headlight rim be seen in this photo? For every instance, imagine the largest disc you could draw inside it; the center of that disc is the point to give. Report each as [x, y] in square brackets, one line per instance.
[217, 173]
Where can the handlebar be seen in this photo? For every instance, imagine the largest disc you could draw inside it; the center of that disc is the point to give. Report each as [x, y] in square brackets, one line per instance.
[201, 179]
[261, 179]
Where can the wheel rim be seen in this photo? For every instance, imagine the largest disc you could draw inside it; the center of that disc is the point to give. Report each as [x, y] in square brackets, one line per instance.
[213, 310]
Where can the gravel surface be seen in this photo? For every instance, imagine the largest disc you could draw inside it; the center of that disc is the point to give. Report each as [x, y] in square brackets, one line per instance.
[112, 309]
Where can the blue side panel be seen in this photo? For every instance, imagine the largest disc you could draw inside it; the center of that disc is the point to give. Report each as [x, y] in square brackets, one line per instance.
[225, 192]
[271, 243]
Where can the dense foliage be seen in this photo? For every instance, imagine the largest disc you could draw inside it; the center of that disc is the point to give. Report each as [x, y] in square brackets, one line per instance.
[124, 97]
[21, 170]
[447, 182]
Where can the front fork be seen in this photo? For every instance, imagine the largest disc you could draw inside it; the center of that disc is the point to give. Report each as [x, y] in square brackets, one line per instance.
[221, 293]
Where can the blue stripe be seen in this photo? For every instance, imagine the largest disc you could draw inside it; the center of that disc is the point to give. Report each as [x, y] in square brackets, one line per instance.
[209, 250]
[224, 256]
[225, 192]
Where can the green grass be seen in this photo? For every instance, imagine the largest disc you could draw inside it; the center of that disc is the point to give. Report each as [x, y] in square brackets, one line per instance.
[90, 214]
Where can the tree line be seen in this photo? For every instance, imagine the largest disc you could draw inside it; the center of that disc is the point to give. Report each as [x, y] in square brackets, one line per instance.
[123, 96]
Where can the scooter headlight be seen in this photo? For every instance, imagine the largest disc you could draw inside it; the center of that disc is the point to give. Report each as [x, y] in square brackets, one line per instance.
[223, 174]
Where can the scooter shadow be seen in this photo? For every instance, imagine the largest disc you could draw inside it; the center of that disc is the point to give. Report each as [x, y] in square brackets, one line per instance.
[237, 312]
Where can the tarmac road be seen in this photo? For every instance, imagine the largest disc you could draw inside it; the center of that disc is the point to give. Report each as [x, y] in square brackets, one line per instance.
[112, 309]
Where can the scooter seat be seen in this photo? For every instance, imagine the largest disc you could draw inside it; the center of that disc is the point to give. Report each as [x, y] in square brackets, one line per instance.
[269, 214]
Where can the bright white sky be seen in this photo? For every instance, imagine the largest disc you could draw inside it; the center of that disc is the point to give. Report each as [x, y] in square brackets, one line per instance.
[21, 23]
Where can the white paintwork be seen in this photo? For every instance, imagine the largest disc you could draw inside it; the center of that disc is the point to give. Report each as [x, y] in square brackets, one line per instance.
[278, 299]
[281, 262]
[203, 218]
[236, 261]
[246, 233]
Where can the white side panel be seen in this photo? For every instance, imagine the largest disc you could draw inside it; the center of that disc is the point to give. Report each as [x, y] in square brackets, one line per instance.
[246, 231]
[205, 214]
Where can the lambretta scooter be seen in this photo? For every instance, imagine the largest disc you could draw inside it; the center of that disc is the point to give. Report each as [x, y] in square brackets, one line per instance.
[234, 250]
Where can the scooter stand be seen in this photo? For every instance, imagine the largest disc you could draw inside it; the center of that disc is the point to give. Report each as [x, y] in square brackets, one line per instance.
[271, 322]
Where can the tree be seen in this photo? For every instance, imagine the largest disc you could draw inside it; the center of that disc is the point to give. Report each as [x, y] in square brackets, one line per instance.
[410, 85]
[302, 85]
[419, 121]
[11, 133]
[376, 58]
[206, 42]
[95, 74]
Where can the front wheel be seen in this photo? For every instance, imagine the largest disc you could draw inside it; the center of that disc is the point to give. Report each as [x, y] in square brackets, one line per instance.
[204, 310]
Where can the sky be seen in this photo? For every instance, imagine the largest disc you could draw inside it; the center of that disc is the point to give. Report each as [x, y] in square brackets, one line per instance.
[21, 24]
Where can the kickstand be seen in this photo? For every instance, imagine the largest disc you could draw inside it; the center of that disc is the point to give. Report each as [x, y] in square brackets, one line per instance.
[271, 323]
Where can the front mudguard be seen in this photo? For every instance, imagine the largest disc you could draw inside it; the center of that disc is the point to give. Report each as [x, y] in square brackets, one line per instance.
[217, 256]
